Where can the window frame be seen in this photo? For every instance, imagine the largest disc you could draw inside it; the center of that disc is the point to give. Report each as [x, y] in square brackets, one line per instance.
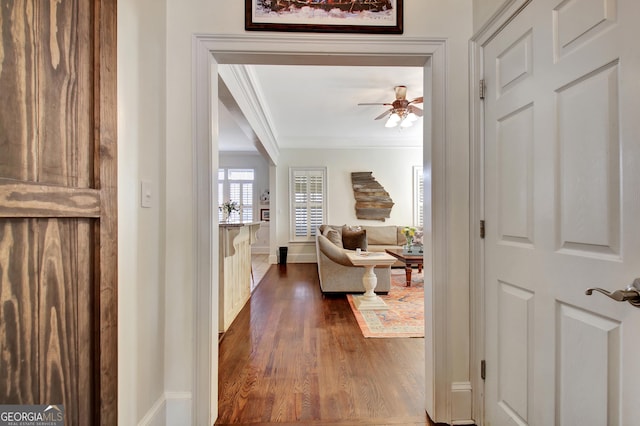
[311, 230]
[224, 193]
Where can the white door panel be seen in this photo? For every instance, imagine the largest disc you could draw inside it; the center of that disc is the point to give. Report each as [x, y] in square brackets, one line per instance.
[562, 213]
[589, 164]
[576, 23]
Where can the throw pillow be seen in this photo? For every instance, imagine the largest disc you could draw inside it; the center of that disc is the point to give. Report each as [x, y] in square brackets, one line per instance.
[333, 236]
[354, 239]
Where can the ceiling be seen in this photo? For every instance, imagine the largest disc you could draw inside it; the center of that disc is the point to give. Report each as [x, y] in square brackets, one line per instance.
[317, 106]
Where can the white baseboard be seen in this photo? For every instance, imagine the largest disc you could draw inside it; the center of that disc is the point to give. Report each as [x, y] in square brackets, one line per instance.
[302, 258]
[295, 258]
[172, 408]
[461, 403]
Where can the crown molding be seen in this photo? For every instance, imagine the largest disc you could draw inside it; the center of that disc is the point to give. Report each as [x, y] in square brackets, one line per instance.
[242, 85]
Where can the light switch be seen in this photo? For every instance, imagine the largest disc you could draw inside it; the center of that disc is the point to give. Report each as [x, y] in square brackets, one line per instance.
[146, 194]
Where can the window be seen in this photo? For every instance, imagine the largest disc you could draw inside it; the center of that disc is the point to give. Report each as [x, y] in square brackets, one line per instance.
[308, 200]
[418, 195]
[237, 185]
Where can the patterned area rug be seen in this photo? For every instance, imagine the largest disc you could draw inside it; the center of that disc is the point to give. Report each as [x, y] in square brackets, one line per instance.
[405, 317]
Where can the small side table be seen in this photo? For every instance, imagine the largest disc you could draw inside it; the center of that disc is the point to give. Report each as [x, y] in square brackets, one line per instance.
[369, 260]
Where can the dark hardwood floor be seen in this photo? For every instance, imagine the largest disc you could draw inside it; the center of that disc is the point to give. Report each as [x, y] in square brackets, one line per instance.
[293, 356]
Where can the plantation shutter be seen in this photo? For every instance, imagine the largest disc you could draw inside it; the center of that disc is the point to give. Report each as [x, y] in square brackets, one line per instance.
[418, 195]
[239, 188]
[221, 179]
[246, 202]
[235, 191]
[308, 200]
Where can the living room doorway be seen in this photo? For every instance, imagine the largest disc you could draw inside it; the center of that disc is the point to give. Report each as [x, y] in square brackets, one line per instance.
[429, 54]
[326, 109]
[325, 116]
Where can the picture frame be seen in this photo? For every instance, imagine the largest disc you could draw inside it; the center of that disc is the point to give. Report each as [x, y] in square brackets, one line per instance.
[264, 215]
[327, 16]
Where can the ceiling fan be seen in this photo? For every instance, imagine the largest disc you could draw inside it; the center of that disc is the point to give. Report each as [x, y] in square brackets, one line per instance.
[402, 111]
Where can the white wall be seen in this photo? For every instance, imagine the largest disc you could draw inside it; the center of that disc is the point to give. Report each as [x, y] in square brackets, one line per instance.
[391, 167]
[141, 144]
[156, 247]
[483, 10]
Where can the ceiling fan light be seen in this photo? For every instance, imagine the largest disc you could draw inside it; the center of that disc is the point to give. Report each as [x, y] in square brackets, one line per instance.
[406, 123]
[391, 123]
[411, 117]
[394, 118]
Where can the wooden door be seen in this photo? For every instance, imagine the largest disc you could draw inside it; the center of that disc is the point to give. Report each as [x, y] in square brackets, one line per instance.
[561, 208]
[58, 269]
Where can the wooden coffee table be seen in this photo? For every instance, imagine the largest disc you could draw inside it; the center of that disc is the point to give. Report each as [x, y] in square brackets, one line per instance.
[409, 260]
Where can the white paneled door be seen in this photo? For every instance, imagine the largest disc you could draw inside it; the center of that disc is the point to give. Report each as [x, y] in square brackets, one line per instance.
[562, 211]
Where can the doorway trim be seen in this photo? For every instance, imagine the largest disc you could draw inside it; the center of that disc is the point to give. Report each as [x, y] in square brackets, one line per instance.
[209, 50]
[490, 29]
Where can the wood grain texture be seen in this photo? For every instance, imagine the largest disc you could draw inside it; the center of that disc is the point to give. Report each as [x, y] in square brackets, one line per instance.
[48, 119]
[18, 85]
[293, 356]
[64, 306]
[45, 302]
[58, 211]
[62, 152]
[105, 157]
[19, 369]
[20, 199]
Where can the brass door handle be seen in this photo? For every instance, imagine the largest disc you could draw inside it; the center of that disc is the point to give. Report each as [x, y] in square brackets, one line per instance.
[630, 294]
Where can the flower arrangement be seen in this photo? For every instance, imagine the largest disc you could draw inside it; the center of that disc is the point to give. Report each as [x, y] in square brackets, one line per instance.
[229, 207]
[409, 232]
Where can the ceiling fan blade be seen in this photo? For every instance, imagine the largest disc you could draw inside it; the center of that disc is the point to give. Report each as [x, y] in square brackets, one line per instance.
[383, 115]
[414, 109]
[373, 103]
[417, 100]
[401, 92]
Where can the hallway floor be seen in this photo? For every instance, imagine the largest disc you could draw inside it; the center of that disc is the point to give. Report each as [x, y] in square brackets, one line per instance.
[295, 356]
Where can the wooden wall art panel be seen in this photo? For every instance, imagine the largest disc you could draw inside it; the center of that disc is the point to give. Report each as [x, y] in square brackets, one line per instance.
[372, 201]
[58, 213]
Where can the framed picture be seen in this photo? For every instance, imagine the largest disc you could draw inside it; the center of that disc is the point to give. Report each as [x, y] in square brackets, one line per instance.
[328, 16]
[264, 215]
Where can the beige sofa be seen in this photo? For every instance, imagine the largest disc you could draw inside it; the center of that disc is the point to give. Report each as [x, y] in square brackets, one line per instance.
[338, 275]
